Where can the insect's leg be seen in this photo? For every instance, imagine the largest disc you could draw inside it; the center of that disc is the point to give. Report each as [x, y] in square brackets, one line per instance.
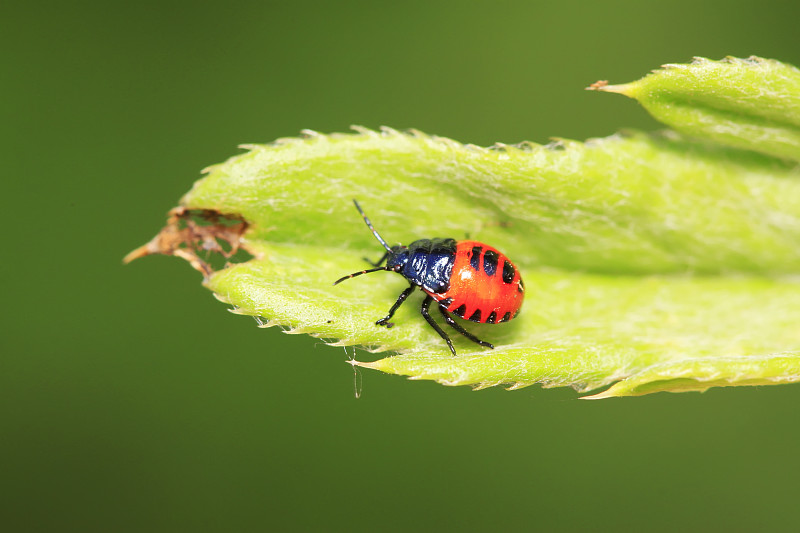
[400, 299]
[379, 261]
[459, 328]
[426, 304]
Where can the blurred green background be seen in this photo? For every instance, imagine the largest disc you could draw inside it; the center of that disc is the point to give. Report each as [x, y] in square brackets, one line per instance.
[132, 401]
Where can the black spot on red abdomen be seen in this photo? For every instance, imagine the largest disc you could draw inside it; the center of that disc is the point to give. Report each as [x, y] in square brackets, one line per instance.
[475, 257]
[508, 271]
[490, 259]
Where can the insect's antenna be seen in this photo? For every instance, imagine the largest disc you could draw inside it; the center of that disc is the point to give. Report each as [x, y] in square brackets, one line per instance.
[354, 274]
[373, 230]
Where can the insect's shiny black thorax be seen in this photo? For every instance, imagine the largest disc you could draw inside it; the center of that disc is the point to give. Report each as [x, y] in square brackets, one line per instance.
[425, 262]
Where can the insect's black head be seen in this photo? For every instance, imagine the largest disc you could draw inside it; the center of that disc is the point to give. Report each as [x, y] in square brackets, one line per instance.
[397, 258]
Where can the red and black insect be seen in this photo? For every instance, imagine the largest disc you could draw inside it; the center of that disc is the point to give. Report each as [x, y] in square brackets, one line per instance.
[467, 278]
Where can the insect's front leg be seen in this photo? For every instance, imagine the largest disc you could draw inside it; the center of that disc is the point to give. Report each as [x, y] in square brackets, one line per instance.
[402, 298]
[379, 262]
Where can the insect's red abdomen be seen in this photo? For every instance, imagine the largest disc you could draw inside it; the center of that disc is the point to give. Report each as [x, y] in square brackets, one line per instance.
[485, 286]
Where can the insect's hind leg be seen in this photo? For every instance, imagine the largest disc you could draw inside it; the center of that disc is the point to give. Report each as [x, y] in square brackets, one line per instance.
[425, 310]
[400, 299]
[459, 328]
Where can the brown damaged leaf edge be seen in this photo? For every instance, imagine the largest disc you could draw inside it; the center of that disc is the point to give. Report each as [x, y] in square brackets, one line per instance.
[196, 235]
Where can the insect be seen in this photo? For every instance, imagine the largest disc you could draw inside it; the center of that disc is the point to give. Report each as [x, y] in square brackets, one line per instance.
[467, 278]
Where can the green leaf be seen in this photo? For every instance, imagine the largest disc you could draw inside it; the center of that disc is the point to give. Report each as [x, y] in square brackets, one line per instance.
[656, 262]
[752, 103]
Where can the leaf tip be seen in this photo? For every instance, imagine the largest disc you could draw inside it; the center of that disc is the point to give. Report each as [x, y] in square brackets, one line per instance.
[599, 85]
[626, 89]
